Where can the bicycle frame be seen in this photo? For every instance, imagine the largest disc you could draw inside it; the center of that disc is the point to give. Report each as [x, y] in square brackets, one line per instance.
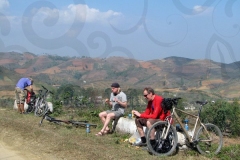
[41, 100]
[197, 121]
[206, 138]
[82, 123]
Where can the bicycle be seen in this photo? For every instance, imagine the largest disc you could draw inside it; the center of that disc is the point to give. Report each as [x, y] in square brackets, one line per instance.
[207, 140]
[82, 123]
[41, 105]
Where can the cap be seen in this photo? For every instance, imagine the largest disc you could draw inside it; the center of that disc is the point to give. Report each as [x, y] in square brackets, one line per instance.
[116, 85]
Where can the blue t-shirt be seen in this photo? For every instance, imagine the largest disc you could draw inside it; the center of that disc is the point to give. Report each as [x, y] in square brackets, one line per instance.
[23, 83]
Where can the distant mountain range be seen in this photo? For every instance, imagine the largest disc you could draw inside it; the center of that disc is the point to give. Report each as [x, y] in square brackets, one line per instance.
[172, 74]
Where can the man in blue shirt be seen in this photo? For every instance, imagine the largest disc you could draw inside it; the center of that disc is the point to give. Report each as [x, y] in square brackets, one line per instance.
[23, 83]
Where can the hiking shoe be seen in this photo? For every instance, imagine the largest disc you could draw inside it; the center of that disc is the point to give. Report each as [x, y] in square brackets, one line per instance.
[140, 144]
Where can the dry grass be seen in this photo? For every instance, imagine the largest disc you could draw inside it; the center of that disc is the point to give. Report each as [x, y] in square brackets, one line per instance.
[51, 141]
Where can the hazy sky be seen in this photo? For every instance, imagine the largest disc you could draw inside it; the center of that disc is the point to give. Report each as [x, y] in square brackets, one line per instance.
[139, 29]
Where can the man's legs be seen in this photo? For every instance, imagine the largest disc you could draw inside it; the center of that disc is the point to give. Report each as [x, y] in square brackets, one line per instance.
[140, 122]
[20, 99]
[102, 116]
[22, 107]
[19, 109]
[17, 92]
[105, 118]
[150, 122]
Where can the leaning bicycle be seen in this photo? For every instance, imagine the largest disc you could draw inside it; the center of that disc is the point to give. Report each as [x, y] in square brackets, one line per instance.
[206, 138]
[41, 105]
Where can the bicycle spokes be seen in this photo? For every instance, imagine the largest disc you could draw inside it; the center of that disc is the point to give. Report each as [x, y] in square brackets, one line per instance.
[166, 139]
[209, 140]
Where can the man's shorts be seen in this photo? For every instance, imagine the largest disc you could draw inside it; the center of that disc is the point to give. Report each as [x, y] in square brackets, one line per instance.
[19, 95]
[117, 113]
[140, 122]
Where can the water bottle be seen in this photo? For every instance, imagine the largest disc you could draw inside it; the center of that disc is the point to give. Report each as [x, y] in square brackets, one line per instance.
[87, 128]
[186, 124]
[186, 127]
[130, 116]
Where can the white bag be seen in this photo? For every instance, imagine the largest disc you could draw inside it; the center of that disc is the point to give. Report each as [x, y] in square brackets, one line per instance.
[134, 138]
[16, 107]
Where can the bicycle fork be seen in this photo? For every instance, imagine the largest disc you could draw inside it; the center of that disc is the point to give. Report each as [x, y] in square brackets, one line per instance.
[163, 137]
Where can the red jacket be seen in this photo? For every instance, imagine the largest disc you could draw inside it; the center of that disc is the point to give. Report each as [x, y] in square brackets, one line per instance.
[154, 109]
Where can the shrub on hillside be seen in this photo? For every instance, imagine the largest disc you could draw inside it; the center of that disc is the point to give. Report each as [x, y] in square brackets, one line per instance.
[224, 114]
[9, 102]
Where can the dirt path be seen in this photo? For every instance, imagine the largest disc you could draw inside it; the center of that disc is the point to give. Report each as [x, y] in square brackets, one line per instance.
[7, 153]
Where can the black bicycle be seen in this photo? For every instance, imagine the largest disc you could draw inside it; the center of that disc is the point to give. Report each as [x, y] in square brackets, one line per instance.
[82, 123]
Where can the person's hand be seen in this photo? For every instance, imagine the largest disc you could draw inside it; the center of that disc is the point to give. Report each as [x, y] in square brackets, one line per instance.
[136, 113]
[116, 100]
[107, 100]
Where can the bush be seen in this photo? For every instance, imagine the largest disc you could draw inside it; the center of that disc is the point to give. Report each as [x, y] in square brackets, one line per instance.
[57, 108]
[9, 102]
[223, 114]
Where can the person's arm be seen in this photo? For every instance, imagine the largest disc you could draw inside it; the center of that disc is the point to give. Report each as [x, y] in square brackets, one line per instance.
[146, 112]
[29, 85]
[123, 100]
[107, 101]
[123, 104]
[31, 88]
[156, 112]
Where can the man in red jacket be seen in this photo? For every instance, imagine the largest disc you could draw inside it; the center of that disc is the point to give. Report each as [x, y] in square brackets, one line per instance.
[152, 114]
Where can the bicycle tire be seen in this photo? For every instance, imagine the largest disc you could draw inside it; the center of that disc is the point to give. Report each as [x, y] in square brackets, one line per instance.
[39, 111]
[45, 108]
[36, 106]
[30, 108]
[162, 147]
[217, 139]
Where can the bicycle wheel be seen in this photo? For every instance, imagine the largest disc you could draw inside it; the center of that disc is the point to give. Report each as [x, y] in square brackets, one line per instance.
[40, 106]
[45, 107]
[162, 147]
[204, 146]
[30, 108]
[36, 105]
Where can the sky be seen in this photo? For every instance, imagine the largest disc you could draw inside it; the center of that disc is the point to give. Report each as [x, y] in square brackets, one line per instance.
[139, 29]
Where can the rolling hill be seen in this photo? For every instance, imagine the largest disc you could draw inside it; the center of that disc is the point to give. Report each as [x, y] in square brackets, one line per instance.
[174, 74]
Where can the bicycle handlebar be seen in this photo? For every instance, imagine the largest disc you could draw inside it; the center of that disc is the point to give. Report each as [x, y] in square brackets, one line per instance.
[175, 100]
[44, 87]
[47, 89]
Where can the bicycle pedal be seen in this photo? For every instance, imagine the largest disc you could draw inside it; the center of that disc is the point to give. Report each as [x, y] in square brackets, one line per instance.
[194, 144]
